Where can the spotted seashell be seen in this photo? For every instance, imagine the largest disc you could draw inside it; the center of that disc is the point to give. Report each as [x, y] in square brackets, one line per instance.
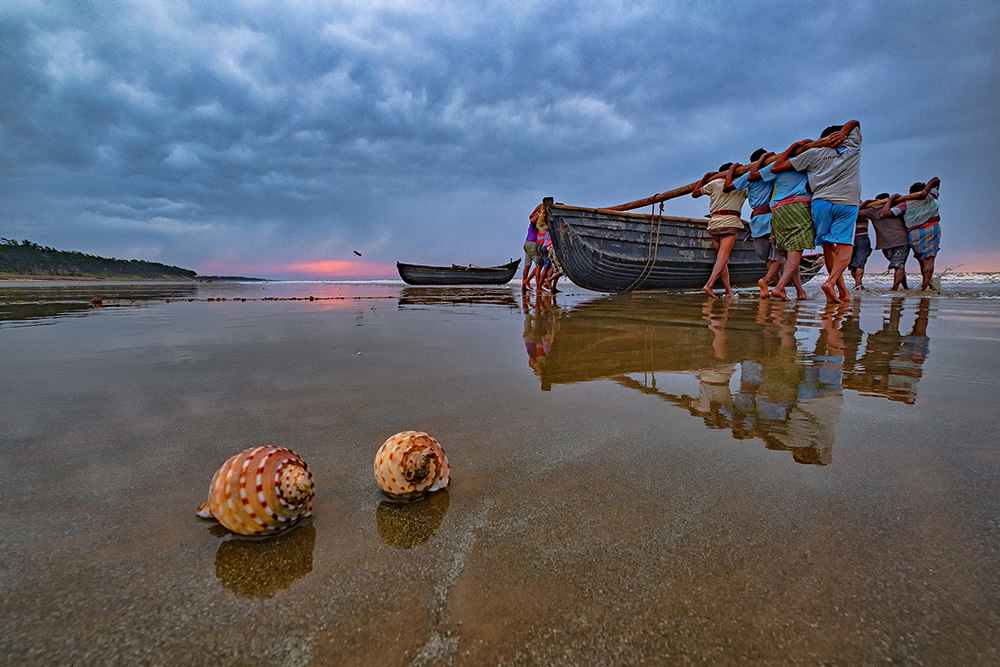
[260, 491]
[411, 464]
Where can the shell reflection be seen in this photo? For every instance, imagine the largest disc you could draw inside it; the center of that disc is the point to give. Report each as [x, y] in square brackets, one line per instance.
[408, 525]
[261, 568]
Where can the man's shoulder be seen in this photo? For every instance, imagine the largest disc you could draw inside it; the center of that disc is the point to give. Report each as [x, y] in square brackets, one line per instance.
[712, 186]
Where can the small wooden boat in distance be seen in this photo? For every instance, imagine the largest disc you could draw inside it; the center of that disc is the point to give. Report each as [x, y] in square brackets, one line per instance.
[418, 274]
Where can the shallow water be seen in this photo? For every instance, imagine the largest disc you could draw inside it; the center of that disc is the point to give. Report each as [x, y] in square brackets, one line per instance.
[646, 477]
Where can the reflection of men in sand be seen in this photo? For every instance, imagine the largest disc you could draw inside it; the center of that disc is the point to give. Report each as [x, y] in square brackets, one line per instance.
[812, 423]
[791, 403]
[539, 327]
[715, 400]
[774, 380]
[906, 367]
[892, 363]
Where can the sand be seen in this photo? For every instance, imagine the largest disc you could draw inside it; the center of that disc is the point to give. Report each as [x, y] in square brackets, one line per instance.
[644, 478]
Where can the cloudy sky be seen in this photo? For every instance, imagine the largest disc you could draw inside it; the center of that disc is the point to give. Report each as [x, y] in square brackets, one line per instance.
[275, 137]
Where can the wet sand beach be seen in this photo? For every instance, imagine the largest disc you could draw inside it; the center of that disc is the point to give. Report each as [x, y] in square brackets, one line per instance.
[646, 478]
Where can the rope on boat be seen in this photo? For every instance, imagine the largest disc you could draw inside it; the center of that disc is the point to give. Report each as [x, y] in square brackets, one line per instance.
[652, 248]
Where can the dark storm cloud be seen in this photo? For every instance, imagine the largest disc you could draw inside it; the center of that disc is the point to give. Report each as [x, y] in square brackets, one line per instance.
[269, 133]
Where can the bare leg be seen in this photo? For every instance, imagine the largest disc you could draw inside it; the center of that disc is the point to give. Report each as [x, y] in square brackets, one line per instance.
[800, 292]
[859, 276]
[898, 278]
[842, 292]
[772, 272]
[721, 269]
[927, 271]
[544, 277]
[837, 256]
[536, 274]
[789, 273]
[715, 271]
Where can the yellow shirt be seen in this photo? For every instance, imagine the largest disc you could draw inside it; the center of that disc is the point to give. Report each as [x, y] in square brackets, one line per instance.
[723, 201]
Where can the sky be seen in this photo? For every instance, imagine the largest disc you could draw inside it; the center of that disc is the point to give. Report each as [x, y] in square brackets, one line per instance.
[278, 138]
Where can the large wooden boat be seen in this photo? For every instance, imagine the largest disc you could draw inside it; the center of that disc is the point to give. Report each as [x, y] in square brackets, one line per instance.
[607, 250]
[418, 274]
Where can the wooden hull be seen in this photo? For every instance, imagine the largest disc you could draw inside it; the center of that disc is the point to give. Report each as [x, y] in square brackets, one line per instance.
[614, 251]
[417, 274]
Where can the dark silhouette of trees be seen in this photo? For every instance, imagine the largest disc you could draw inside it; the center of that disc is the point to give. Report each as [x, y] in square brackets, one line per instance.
[25, 257]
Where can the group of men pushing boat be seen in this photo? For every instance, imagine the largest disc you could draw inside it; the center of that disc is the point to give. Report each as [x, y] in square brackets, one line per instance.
[810, 196]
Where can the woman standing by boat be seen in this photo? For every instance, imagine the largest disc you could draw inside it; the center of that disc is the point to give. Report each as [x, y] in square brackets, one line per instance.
[724, 224]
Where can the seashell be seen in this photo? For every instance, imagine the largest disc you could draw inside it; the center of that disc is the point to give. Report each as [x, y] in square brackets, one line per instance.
[260, 491]
[411, 464]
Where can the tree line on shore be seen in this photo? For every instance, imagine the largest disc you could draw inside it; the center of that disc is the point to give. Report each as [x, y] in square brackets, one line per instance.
[28, 258]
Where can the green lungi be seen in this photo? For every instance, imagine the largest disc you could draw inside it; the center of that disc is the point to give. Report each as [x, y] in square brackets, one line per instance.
[793, 228]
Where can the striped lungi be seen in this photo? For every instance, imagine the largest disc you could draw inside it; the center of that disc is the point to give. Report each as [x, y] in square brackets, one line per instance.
[792, 226]
[925, 240]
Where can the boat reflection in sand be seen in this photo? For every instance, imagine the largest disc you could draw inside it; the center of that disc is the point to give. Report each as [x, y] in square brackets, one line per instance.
[765, 369]
[457, 296]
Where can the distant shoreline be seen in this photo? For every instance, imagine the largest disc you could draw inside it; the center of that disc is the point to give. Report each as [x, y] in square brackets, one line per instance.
[28, 277]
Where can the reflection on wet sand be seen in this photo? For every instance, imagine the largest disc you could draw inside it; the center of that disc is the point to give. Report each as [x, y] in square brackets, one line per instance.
[408, 525]
[260, 568]
[40, 302]
[789, 361]
[541, 318]
[457, 296]
[892, 363]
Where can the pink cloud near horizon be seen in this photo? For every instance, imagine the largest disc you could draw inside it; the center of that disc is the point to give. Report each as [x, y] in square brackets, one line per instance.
[343, 269]
[318, 270]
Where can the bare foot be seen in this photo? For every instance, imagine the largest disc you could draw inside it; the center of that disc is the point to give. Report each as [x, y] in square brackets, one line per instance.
[801, 295]
[831, 293]
[729, 294]
[780, 293]
[762, 283]
[709, 292]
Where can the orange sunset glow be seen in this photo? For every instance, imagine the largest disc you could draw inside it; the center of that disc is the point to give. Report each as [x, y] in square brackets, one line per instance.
[320, 270]
[342, 269]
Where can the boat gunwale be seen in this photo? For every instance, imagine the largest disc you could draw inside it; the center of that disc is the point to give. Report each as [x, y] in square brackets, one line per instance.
[456, 268]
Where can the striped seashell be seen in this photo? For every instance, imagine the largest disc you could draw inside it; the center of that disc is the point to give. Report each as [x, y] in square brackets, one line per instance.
[260, 491]
[411, 464]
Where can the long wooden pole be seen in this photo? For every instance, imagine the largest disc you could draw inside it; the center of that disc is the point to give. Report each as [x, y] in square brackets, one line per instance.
[689, 188]
[739, 171]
